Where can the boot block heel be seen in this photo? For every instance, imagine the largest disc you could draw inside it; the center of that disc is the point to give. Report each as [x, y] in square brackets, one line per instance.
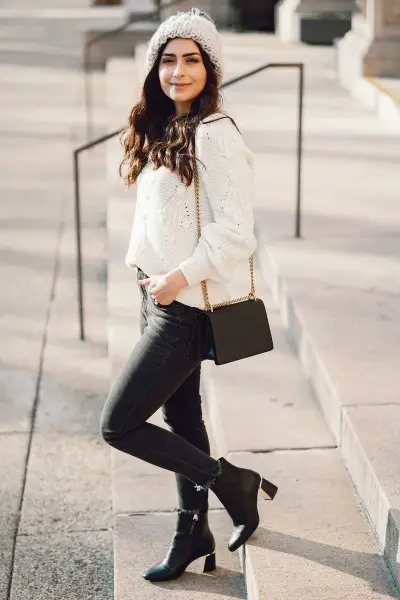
[268, 489]
[210, 563]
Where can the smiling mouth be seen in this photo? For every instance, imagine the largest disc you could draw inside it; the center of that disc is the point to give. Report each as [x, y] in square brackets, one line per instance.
[180, 84]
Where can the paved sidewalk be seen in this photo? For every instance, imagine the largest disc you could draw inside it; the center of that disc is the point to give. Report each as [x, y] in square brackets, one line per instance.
[55, 496]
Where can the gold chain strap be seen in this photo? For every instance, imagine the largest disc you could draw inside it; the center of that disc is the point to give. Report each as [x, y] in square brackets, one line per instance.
[208, 305]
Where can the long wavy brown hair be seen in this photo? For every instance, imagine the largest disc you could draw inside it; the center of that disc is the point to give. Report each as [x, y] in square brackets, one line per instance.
[155, 133]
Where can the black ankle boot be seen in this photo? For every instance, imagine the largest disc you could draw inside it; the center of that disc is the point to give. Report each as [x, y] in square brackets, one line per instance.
[192, 539]
[237, 489]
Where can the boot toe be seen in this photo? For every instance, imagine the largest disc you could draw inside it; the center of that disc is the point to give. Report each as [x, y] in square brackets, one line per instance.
[157, 572]
[240, 535]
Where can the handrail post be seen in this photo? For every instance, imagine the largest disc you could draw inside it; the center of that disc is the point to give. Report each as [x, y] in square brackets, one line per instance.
[78, 245]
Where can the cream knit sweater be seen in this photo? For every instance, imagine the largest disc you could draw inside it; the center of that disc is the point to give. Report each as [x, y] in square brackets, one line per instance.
[164, 230]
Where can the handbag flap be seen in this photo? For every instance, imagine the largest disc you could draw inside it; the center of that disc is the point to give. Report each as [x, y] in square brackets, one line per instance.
[240, 330]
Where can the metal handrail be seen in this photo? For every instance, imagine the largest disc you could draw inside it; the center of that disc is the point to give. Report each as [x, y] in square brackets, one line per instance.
[150, 16]
[104, 138]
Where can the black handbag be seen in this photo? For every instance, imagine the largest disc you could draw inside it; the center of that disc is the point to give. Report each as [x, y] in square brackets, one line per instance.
[239, 327]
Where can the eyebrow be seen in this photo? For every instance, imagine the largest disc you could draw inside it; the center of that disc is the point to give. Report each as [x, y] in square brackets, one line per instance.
[187, 54]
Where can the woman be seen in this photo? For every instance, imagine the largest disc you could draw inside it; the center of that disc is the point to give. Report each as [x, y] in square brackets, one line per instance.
[177, 121]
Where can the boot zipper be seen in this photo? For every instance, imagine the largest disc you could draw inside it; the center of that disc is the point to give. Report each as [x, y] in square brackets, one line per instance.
[195, 520]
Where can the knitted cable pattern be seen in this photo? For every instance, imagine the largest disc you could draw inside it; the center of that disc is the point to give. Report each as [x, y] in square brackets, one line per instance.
[164, 231]
[195, 25]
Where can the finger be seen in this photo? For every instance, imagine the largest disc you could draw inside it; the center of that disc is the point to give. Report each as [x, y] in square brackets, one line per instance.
[145, 281]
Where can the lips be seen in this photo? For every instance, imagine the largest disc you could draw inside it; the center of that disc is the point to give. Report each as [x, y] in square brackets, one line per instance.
[181, 85]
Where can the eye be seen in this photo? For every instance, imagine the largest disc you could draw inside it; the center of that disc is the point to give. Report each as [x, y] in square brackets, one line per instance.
[166, 60]
[193, 60]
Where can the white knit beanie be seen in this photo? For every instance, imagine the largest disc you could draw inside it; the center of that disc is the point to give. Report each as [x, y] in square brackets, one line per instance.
[196, 25]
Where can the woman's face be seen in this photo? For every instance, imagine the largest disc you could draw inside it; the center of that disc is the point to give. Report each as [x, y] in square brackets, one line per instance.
[182, 73]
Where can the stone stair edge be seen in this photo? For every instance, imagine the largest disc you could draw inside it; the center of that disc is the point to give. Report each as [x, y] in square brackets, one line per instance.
[118, 67]
[133, 544]
[384, 518]
[251, 560]
[147, 26]
[332, 403]
[118, 206]
[90, 12]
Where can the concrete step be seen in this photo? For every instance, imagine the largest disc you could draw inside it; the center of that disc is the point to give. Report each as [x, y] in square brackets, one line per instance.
[138, 546]
[144, 496]
[102, 13]
[337, 287]
[314, 540]
[381, 95]
[268, 394]
[289, 443]
[49, 23]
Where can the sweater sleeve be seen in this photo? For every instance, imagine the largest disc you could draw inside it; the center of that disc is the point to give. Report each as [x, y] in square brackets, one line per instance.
[226, 175]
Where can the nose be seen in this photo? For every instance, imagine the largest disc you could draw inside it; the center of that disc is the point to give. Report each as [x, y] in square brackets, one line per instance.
[179, 69]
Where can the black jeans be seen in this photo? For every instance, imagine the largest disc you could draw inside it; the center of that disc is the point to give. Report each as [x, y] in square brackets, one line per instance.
[163, 370]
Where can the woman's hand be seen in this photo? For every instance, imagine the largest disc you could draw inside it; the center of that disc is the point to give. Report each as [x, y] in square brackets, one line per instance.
[164, 288]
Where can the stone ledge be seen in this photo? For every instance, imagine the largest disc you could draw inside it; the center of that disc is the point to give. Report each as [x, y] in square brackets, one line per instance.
[370, 446]
[313, 533]
[366, 473]
[381, 96]
[269, 393]
[62, 14]
[377, 93]
[363, 591]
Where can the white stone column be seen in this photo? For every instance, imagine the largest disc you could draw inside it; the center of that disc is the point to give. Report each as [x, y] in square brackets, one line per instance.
[287, 21]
